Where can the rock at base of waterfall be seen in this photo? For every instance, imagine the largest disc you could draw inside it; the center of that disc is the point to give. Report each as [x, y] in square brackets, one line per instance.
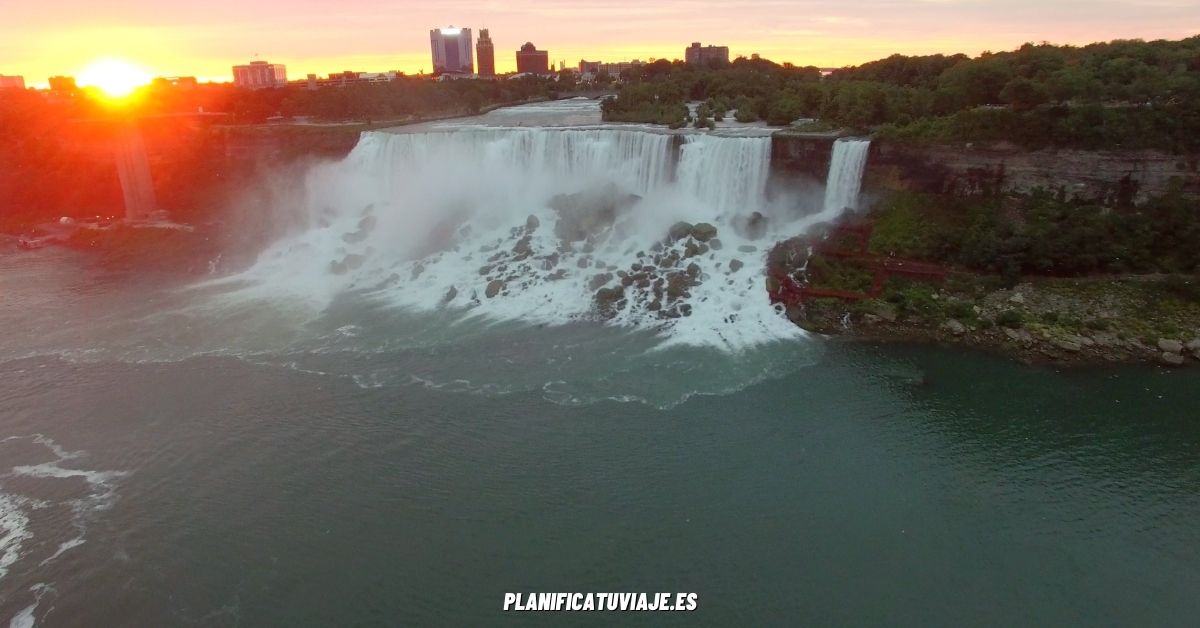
[347, 264]
[609, 301]
[590, 212]
[703, 232]
[679, 231]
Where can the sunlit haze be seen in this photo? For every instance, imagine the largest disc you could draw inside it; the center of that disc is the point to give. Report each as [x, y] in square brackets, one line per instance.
[114, 77]
[174, 38]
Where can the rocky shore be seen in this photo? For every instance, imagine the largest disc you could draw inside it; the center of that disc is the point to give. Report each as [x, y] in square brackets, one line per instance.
[1131, 319]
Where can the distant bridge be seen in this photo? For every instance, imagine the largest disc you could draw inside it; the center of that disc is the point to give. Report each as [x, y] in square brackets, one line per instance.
[591, 93]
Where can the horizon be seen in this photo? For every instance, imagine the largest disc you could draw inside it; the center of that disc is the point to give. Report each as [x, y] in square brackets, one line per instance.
[367, 36]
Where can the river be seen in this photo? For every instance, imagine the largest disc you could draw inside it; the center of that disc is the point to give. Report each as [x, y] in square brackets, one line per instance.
[298, 443]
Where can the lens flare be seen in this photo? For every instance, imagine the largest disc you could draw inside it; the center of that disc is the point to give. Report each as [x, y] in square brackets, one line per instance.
[115, 77]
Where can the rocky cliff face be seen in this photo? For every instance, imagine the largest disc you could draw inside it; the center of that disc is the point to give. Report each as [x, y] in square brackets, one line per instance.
[801, 155]
[1109, 177]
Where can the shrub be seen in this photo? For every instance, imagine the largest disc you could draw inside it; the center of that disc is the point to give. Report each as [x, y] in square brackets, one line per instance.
[1011, 319]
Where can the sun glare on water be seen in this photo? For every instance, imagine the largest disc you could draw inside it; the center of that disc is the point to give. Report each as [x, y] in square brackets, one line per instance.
[115, 77]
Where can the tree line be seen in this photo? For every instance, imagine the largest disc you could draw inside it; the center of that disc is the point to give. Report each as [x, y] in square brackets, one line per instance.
[1128, 93]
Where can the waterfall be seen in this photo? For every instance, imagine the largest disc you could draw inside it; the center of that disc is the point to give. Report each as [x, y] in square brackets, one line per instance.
[730, 173]
[534, 225]
[636, 160]
[846, 167]
[133, 169]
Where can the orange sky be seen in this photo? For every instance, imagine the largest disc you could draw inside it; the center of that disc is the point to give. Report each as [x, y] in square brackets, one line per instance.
[174, 37]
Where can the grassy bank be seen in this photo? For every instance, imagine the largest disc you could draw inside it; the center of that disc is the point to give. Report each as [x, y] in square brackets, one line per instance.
[1033, 276]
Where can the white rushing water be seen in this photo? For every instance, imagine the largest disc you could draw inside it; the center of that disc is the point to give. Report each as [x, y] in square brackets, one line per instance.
[846, 167]
[547, 226]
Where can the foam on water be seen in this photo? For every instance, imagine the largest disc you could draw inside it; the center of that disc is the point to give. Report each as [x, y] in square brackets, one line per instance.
[25, 618]
[412, 217]
[14, 530]
[24, 515]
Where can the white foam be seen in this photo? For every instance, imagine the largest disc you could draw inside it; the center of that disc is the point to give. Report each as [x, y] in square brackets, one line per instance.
[25, 617]
[15, 525]
[14, 530]
[375, 214]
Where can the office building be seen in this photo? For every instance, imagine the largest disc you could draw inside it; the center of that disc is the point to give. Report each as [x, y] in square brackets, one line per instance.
[706, 55]
[260, 75]
[63, 84]
[486, 53]
[530, 60]
[451, 50]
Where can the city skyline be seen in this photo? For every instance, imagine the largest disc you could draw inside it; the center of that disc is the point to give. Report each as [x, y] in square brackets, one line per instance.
[165, 39]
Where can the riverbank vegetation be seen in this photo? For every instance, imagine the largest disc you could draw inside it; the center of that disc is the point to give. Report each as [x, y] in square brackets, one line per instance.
[1121, 94]
[1040, 234]
[1034, 275]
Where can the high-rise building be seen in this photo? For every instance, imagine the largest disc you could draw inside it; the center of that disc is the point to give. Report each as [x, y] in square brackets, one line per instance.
[63, 84]
[12, 82]
[486, 53]
[451, 50]
[705, 55]
[530, 60]
[260, 75]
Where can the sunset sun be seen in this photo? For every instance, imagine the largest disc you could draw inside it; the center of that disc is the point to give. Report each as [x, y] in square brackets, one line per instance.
[115, 77]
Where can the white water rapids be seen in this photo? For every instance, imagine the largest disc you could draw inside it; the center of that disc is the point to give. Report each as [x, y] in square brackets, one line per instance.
[444, 221]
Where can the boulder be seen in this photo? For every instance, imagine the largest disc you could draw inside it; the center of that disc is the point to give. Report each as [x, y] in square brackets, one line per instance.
[1018, 335]
[747, 248]
[735, 265]
[590, 212]
[523, 248]
[1194, 347]
[494, 287]
[885, 312]
[450, 294]
[703, 232]
[1170, 346]
[609, 300]
[677, 285]
[954, 327]
[1017, 298]
[1171, 358]
[351, 262]
[679, 231]
[598, 281]
[715, 244]
[1068, 346]
[756, 226]
[532, 223]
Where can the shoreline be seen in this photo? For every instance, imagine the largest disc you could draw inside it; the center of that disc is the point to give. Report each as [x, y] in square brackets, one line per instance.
[1074, 323]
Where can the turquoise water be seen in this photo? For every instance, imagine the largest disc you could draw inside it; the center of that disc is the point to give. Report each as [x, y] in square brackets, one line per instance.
[360, 477]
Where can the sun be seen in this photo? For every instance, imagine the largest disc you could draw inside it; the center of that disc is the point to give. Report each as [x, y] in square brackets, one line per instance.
[117, 78]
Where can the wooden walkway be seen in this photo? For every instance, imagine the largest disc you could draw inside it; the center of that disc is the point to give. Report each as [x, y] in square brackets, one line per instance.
[791, 292]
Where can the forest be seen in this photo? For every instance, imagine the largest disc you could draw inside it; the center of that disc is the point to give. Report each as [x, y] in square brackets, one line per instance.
[1120, 94]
